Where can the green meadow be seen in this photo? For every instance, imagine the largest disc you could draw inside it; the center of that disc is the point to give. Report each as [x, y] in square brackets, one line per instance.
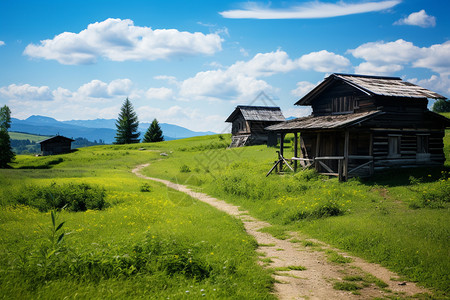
[145, 241]
[125, 237]
[27, 136]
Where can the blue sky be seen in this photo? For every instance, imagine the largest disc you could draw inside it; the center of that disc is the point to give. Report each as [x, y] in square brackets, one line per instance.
[190, 63]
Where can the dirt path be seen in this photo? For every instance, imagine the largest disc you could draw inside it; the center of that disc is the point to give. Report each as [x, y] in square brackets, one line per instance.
[317, 280]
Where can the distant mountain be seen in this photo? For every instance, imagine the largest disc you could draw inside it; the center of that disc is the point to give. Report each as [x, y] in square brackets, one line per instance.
[290, 118]
[93, 130]
[170, 131]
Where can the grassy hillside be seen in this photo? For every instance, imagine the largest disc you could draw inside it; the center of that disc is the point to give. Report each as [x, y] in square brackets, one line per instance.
[26, 136]
[143, 241]
[399, 219]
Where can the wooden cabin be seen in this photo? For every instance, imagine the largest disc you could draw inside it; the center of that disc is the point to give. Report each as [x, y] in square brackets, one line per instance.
[363, 124]
[248, 123]
[56, 145]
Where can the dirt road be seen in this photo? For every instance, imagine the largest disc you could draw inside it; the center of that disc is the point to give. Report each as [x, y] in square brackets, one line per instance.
[320, 276]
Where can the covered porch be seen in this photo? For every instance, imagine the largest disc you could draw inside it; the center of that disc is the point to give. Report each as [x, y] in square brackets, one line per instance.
[334, 145]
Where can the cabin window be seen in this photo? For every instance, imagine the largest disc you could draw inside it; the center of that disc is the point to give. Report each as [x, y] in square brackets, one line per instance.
[343, 104]
[422, 143]
[394, 146]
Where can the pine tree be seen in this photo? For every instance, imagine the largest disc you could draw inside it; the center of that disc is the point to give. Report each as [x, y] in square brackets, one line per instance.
[127, 125]
[154, 133]
[6, 154]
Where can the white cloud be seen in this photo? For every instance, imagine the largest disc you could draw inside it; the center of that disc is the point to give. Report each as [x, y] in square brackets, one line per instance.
[222, 84]
[120, 40]
[170, 79]
[161, 93]
[241, 81]
[298, 112]
[265, 64]
[243, 52]
[440, 84]
[2, 43]
[419, 18]
[381, 57]
[368, 68]
[309, 10]
[436, 58]
[396, 52]
[120, 87]
[94, 89]
[303, 87]
[26, 92]
[182, 116]
[323, 61]
[99, 89]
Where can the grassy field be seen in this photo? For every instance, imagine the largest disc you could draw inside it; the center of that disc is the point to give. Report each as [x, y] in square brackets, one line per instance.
[26, 136]
[146, 242]
[399, 219]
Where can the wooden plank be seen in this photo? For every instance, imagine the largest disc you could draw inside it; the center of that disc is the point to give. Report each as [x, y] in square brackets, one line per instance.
[326, 167]
[317, 150]
[295, 150]
[282, 135]
[302, 159]
[329, 157]
[345, 162]
[360, 157]
[274, 166]
[360, 166]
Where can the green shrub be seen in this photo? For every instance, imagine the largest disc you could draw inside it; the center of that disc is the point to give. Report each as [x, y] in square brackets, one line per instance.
[185, 169]
[145, 188]
[74, 197]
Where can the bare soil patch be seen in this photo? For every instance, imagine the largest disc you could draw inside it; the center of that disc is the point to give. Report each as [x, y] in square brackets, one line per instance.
[320, 275]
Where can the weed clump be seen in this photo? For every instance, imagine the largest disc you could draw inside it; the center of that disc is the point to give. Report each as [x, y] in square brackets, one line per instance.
[74, 197]
[185, 169]
[435, 195]
[145, 188]
[165, 255]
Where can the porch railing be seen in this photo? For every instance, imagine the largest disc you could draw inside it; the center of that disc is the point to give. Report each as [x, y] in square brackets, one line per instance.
[342, 169]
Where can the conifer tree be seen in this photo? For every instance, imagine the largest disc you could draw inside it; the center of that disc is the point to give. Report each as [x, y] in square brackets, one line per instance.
[6, 154]
[127, 125]
[154, 133]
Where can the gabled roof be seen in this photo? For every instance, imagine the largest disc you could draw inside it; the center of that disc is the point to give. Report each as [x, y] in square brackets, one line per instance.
[56, 138]
[323, 122]
[257, 113]
[372, 85]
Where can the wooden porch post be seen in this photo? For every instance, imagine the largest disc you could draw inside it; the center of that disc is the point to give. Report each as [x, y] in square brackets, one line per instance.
[295, 150]
[281, 150]
[316, 163]
[345, 165]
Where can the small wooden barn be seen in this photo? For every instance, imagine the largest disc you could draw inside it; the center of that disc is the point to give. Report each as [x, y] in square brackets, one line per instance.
[56, 145]
[248, 123]
[363, 124]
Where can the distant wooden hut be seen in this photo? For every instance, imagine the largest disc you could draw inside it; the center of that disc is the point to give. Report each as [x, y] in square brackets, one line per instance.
[56, 145]
[363, 124]
[248, 123]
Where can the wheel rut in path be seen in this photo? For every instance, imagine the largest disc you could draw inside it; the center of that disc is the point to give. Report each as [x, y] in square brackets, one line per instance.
[319, 276]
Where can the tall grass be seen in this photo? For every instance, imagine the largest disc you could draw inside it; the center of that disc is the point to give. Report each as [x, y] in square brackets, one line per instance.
[390, 219]
[149, 242]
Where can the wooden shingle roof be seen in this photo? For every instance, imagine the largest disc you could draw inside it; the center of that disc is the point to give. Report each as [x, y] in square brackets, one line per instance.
[373, 85]
[257, 113]
[56, 138]
[323, 122]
